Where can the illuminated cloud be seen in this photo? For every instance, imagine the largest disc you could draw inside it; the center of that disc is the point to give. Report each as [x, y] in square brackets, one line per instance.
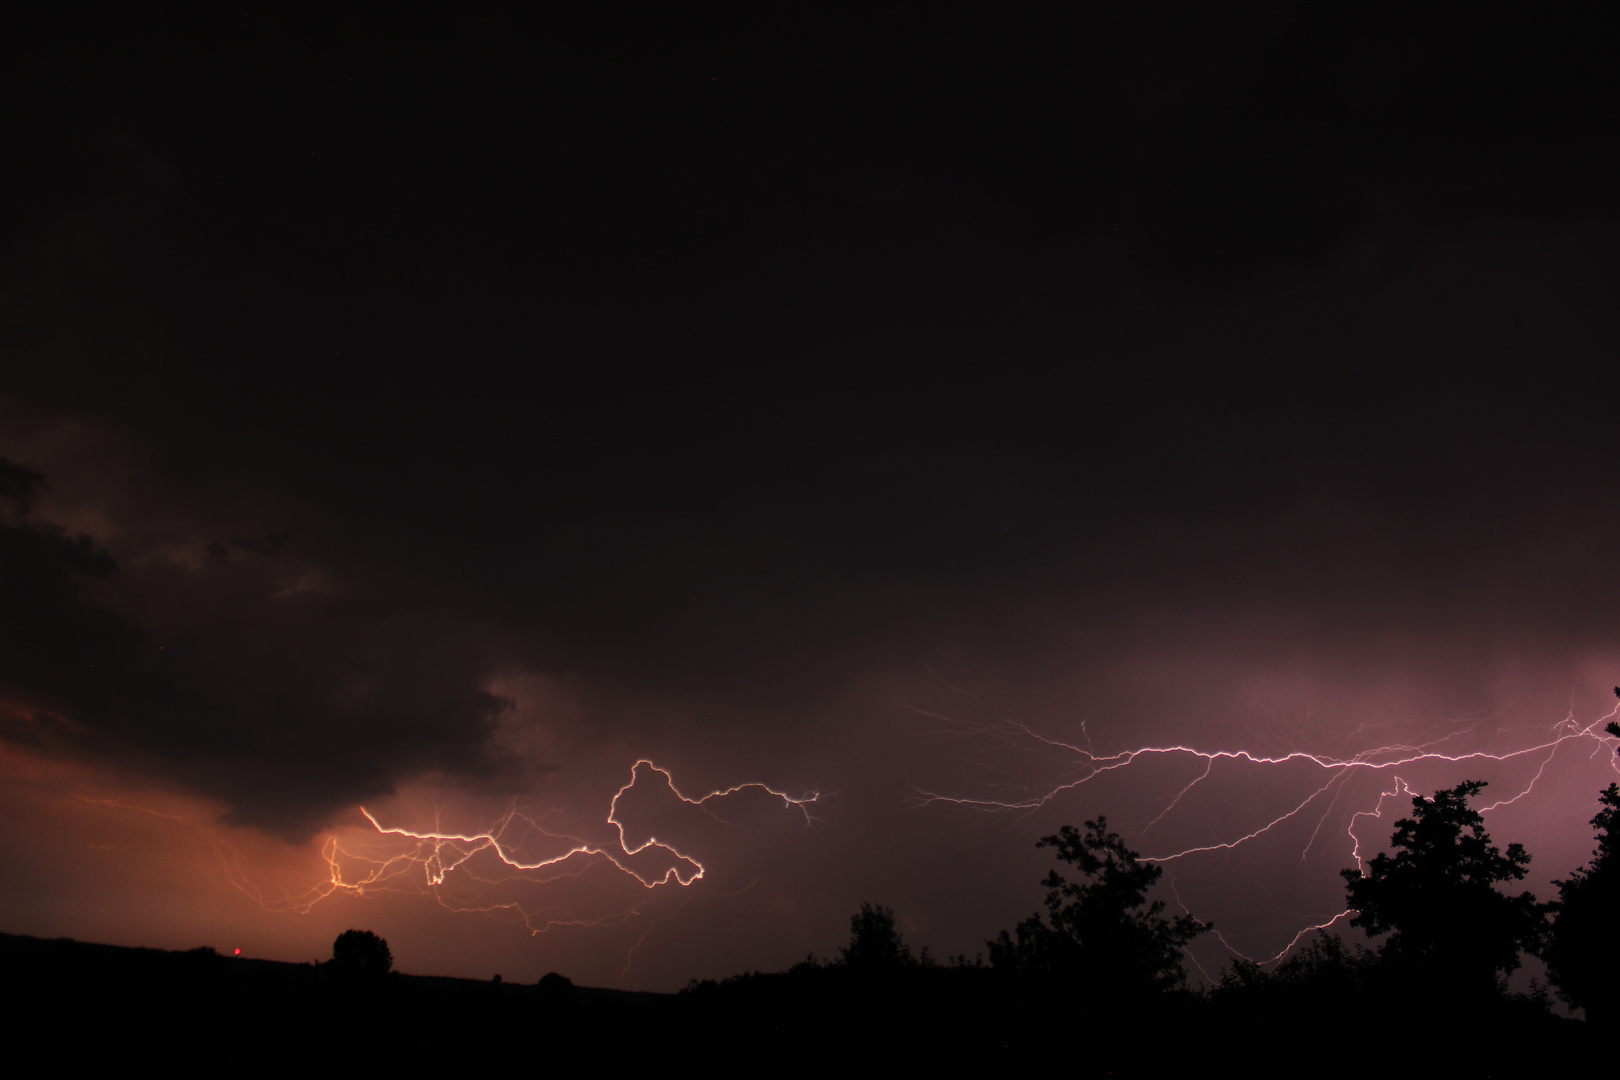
[926, 427]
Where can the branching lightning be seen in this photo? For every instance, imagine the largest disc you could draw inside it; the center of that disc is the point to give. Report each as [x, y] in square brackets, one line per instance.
[429, 858]
[502, 871]
[1084, 764]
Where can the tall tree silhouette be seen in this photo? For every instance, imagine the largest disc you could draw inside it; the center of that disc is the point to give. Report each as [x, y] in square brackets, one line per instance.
[1583, 950]
[1102, 929]
[1437, 895]
[874, 943]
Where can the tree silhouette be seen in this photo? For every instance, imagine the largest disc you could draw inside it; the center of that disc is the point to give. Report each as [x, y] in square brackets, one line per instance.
[1583, 948]
[360, 954]
[874, 943]
[1324, 961]
[1437, 896]
[1102, 929]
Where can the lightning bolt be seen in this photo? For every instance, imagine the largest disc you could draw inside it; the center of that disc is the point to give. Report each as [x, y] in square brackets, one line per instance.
[1084, 764]
[467, 872]
[440, 853]
[414, 859]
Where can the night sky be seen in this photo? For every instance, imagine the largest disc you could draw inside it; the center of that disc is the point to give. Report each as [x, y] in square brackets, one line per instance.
[897, 416]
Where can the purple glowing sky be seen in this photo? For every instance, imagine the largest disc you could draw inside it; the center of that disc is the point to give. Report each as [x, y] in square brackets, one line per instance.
[890, 427]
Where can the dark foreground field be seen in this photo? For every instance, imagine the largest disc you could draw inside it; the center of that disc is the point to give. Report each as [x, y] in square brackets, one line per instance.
[112, 1007]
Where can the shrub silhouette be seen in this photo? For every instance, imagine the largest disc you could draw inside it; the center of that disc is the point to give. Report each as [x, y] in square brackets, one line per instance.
[360, 954]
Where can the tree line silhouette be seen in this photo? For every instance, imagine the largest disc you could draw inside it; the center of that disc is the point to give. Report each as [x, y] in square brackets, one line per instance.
[1104, 963]
[1097, 978]
[1435, 899]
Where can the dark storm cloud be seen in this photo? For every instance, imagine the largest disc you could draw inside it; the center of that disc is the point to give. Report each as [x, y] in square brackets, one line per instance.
[19, 484]
[265, 545]
[285, 700]
[727, 373]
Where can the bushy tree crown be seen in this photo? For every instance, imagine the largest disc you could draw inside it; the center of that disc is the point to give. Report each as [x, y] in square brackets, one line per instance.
[1101, 929]
[361, 954]
[874, 943]
[1437, 895]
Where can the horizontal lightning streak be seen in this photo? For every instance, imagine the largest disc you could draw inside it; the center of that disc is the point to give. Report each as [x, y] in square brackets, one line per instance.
[492, 839]
[1372, 760]
[439, 853]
